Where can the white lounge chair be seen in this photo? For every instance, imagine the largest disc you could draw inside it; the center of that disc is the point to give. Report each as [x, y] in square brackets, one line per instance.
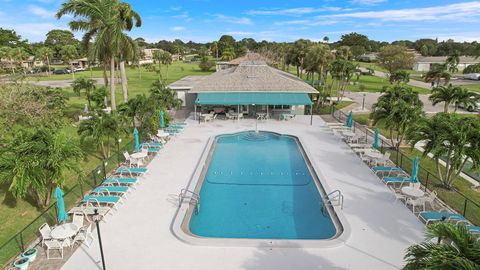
[419, 202]
[78, 219]
[398, 196]
[88, 209]
[132, 161]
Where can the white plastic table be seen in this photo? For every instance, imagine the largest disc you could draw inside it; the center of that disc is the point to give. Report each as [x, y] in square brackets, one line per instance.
[261, 116]
[139, 155]
[373, 154]
[64, 231]
[412, 192]
[163, 134]
[348, 133]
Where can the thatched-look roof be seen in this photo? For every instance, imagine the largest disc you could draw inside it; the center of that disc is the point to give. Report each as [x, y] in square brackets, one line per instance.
[252, 76]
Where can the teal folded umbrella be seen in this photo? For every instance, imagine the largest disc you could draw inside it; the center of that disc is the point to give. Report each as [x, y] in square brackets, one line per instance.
[61, 213]
[349, 122]
[137, 139]
[375, 140]
[162, 119]
[414, 175]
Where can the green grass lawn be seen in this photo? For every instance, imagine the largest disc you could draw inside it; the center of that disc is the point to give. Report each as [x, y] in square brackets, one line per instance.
[376, 84]
[17, 213]
[451, 198]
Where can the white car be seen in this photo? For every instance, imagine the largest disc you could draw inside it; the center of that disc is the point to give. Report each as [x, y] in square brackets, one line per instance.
[472, 76]
[79, 69]
[471, 107]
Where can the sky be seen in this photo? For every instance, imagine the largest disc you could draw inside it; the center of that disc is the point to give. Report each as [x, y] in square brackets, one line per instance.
[272, 20]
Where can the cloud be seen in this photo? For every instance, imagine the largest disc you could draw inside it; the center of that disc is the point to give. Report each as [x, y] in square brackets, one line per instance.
[314, 22]
[294, 11]
[367, 2]
[183, 15]
[459, 12]
[177, 28]
[41, 12]
[34, 30]
[233, 20]
[239, 33]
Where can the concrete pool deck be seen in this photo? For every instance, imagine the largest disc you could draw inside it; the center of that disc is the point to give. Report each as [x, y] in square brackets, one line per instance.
[139, 234]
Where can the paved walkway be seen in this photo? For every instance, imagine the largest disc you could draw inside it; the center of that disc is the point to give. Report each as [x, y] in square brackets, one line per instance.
[139, 234]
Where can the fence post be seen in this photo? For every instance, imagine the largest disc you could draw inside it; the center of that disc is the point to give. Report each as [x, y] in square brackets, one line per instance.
[94, 174]
[465, 207]
[104, 170]
[401, 159]
[21, 242]
[366, 135]
[426, 182]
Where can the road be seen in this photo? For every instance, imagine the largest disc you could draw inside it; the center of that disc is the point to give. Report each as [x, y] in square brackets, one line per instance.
[60, 83]
[371, 98]
[411, 82]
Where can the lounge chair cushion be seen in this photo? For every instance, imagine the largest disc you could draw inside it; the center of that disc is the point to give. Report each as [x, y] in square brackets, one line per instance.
[433, 216]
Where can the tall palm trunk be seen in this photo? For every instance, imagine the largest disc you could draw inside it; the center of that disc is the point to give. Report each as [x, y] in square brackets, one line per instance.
[124, 81]
[445, 107]
[160, 70]
[112, 84]
[105, 77]
[166, 75]
[73, 71]
[48, 64]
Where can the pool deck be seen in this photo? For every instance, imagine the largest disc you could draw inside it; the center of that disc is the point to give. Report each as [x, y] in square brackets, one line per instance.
[139, 234]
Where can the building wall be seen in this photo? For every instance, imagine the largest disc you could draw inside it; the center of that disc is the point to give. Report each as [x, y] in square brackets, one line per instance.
[421, 66]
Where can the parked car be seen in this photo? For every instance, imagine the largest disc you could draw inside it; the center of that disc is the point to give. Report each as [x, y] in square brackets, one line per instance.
[78, 69]
[472, 76]
[61, 71]
[471, 107]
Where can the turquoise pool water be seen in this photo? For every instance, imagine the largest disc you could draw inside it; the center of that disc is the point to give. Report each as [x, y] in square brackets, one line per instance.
[259, 186]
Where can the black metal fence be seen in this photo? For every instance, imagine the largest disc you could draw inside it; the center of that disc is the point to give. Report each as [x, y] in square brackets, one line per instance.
[462, 202]
[29, 234]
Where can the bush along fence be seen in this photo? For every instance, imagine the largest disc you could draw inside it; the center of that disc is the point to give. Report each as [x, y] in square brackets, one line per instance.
[466, 202]
[29, 235]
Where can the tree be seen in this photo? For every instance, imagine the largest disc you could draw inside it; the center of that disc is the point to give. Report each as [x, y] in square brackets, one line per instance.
[342, 72]
[472, 69]
[167, 61]
[447, 246]
[164, 96]
[437, 73]
[344, 52]
[158, 57]
[444, 94]
[88, 85]
[19, 55]
[56, 39]
[326, 39]
[225, 41]
[228, 54]
[296, 54]
[104, 21]
[45, 54]
[449, 138]
[394, 57]
[317, 60]
[69, 53]
[400, 76]
[103, 130]
[206, 64]
[6, 55]
[9, 38]
[466, 98]
[399, 108]
[354, 39]
[452, 62]
[214, 49]
[35, 161]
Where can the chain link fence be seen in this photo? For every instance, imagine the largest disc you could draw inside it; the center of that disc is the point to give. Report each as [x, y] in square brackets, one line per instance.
[29, 235]
[461, 202]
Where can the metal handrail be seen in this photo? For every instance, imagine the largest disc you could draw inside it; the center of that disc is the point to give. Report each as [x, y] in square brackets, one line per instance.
[338, 195]
[194, 197]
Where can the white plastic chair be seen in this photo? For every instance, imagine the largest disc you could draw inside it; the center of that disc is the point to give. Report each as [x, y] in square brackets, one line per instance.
[78, 219]
[384, 160]
[56, 245]
[420, 202]
[398, 196]
[430, 199]
[84, 236]
[45, 231]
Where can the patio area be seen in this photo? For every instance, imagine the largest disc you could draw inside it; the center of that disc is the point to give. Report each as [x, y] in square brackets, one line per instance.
[139, 235]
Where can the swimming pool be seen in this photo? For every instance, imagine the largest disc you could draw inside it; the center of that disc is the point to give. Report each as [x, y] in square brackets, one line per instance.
[259, 186]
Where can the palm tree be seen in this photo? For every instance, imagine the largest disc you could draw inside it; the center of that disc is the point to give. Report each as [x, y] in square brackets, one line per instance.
[228, 54]
[437, 73]
[34, 161]
[69, 53]
[399, 108]
[400, 76]
[344, 52]
[452, 62]
[455, 248]
[167, 61]
[444, 94]
[451, 139]
[102, 130]
[317, 60]
[214, 48]
[19, 55]
[45, 53]
[84, 84]
[158, 56]
[466, 98]
[104, 21]
[5, 56]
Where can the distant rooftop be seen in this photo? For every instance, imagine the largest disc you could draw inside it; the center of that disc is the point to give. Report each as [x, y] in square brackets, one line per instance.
[442, 59]
[252, 76]
[186, 83]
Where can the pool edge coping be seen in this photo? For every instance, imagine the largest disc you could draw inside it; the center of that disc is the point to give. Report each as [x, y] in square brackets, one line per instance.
[180, 213]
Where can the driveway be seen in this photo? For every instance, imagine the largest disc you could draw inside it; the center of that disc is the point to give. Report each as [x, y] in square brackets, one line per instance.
[371, 98]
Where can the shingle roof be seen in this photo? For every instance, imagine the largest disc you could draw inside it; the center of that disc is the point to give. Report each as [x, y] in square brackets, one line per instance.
[442, 59]
[252, 76]
[186, 83]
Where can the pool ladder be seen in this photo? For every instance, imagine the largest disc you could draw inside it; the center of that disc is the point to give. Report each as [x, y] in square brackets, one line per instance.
[193, 196]
[334, 196]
